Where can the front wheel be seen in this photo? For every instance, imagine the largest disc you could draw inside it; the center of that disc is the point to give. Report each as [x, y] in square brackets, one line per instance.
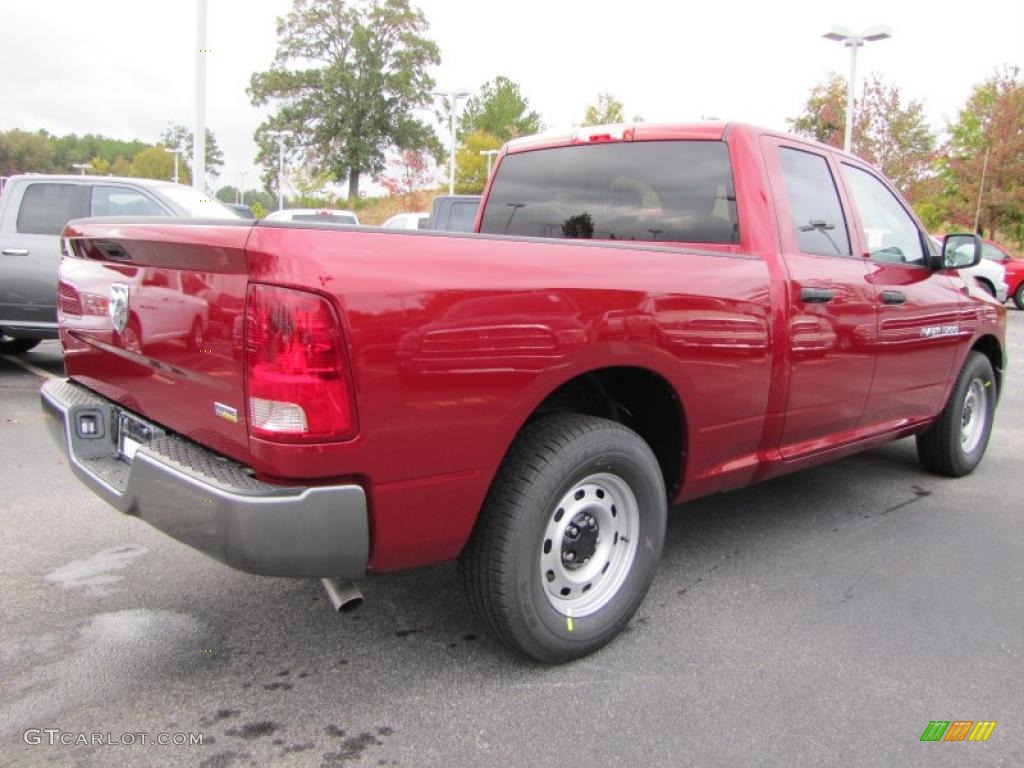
[955, 443]
[1018, 296]
[569, 538]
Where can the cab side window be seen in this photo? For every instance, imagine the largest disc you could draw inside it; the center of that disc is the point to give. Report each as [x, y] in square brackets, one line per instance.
[814, 206]
[890, 232]
[46, 208]
[122, 201]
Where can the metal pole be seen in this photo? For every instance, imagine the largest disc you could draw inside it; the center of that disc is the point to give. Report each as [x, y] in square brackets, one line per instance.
[175, 167]
[451, 149]
[280, 173]
[199, 129]
[981, 188]
[853, 45]
[241, 188]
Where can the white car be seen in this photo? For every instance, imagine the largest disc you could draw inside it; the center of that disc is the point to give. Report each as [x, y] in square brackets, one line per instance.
[990, 275]
[322, 215]
[407, 221]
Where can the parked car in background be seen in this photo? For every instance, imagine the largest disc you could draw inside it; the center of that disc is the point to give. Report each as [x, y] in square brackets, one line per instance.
[320, 215]
[33, 211]
[453, 213]
[1014, 270]
[244, 211]
[989, 274]
[407, 221]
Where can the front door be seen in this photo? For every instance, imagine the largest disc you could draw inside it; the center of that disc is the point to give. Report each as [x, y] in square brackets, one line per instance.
[918, 308]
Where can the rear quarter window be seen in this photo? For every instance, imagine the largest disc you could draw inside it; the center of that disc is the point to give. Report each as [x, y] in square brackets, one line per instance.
[661, 191]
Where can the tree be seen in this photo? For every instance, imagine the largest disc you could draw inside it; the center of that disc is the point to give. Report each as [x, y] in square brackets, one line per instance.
[24, 152]
[500, 110]
[345, 81]
[886, 133]
[410, 172]
[227, 194]
[470, 165]
[179, 136]
[154, 163]
[259, 210]
[990, 124]
[608, 109]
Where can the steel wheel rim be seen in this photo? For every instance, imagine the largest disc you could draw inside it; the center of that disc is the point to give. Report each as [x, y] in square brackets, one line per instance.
[973, 416]
[602, 555]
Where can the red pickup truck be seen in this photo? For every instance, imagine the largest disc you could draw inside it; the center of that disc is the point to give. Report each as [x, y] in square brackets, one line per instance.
[646, 314]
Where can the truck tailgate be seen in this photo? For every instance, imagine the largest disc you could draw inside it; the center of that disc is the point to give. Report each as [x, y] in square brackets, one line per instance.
[151, 316]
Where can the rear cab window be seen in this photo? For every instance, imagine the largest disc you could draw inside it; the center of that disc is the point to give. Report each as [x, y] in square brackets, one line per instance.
[108, 200]
[46, 208]
[653, 191]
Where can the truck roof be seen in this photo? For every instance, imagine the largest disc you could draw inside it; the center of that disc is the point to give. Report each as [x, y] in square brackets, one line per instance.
[92, 178]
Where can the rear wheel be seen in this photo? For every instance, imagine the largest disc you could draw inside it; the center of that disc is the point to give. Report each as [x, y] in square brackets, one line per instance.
[955, 444]
[9, 346]
[1018, 296]
[569, 538]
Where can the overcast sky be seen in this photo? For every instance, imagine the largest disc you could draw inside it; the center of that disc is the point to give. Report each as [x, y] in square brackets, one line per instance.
[125, 68]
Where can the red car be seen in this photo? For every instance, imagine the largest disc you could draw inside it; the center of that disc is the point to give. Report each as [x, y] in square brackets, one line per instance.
[1014, 270]
[648, 314]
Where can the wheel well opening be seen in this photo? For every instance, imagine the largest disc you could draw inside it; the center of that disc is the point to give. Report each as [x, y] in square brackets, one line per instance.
[989, 346]
[637, 398]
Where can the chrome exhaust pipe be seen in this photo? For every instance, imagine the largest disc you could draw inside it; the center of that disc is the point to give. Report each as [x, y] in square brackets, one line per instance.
[343, 594]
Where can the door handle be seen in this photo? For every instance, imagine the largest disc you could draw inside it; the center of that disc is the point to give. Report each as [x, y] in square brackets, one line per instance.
[816, 295]
[893, 297]
[15, 251]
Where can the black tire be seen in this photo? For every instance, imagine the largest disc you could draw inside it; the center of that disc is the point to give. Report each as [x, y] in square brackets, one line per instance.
[553, 459]
[195, 335]
[945, 449]
[9, 346]
[1018, 296]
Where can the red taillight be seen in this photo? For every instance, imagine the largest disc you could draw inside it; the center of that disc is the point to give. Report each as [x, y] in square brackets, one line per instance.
[297, 385]
[68, 298]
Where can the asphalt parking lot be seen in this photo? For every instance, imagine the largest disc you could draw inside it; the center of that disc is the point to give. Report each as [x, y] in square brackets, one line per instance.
[819, 619]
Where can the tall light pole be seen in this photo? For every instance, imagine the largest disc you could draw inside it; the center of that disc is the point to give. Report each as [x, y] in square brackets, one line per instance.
[241, 187]
[853, 42]
[280, 136]
[453, 103]
[489, 154]
[199, 127]
[176, 151]
[81, 167]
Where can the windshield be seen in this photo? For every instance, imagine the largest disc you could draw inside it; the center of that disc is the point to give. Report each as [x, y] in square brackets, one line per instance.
[663, 191]
[198, 205]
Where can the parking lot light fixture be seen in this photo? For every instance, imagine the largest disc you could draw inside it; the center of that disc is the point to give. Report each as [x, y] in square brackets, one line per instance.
[280, 136]
[489, 154]
[853, 41]
[81, 167]
[176, 151]
[453, 103]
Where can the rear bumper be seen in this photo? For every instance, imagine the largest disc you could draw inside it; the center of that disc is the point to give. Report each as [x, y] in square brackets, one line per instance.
[209, 502]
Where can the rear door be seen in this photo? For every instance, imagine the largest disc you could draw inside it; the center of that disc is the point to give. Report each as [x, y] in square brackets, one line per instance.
[918, 309]
[831, 301]
[33, 219]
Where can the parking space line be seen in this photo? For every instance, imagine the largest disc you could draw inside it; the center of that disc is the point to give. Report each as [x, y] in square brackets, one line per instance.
[29, 367]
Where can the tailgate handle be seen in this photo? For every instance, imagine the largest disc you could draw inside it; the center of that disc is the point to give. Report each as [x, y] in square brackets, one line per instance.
[15, 251]
[893, 297]
[816, 295]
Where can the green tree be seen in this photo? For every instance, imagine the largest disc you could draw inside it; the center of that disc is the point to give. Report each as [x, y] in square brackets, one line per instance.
[154, 163]
[24, 152]
[470, 165]
[345, 81]
[259, 210]
[500, 110]
[888, 133]
[991, 125]
[179, 136]
[607, 110]
[227, 194]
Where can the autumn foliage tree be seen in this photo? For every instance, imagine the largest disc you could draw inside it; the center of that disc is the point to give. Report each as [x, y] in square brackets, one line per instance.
[888, 133]
[988, 140]
[470, 165]
[410, 172]
[606, 110]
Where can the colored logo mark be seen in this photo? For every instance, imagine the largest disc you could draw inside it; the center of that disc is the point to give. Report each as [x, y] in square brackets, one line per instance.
[958, 730]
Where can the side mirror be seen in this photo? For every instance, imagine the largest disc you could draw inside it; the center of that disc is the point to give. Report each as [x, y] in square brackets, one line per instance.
[960, 251]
